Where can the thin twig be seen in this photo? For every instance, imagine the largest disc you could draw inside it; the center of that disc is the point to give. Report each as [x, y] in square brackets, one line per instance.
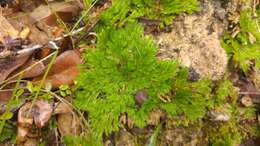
[26, 49]
[250, 93]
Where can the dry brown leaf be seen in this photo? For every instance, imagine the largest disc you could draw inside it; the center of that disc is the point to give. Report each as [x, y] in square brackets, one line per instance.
[8, 65]
[21, 135]
[44, 52]
[39, 113]
[62, 108]
[64, 70]
[46, 13]
[31, 142]
[24, 33]
[68, 121]
[25, 117]
[7, 30]
[42, 113]
[28, 5]
[249, 89]
[5, 95]
[4, 98]
[22, 20]
[70, 58]
[34, 71]
[25, 121]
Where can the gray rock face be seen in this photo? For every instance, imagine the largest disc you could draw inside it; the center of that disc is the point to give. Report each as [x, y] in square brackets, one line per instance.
[195, 41]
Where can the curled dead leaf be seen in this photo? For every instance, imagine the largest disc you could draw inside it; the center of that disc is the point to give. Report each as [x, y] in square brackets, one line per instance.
[68, 121]
[42, 113]
[4, 98]
[25, 121]
[10, 64]
[46, 13]
[7, 30]
[36, 34]
[21, 135]
[25, 117]
[64, 70]
[39, 113]
[33, 68]
[24, 33]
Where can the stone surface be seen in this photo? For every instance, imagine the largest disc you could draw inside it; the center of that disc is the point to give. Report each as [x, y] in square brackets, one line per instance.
[195, 41]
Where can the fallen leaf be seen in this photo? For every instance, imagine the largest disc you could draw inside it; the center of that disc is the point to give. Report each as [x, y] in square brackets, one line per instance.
[42, 113]
[34, 71]
[24, 33]
[5, 96]
[64, 70]
[62, 108]
[22, 20]
[39, 113]
[68, 121]
[44, 52]
[46, 13]
[25, 121]
[28, 5]
[7, 30]
[8, 65]
[21, 135]
[25, 117]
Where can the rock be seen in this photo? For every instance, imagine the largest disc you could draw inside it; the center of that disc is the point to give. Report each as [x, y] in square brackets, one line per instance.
[247, 101]
[219, 116]
[195, 41]
[180, 136]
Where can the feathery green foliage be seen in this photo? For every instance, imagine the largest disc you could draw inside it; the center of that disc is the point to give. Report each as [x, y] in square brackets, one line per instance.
[163, 10]
[245, 46]
[188, 99]
[124, 63]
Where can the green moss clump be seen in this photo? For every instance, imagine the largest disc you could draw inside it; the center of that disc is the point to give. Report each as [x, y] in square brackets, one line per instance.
[245, 46]
[124, 63]
[164, 10]
[225, 134]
